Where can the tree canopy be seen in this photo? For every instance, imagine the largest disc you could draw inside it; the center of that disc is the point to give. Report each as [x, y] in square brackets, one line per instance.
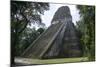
[24, 13]
[27, 37]
[87, 27]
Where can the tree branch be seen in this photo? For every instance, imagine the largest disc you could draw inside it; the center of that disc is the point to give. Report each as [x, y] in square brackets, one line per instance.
[27, 21]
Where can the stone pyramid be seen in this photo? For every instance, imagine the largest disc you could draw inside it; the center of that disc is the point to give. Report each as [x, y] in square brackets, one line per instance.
[61, 39]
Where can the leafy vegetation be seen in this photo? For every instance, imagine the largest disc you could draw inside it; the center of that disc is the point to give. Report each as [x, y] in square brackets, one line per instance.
[24, 14]
[27, 61]
[26, 39]
[86, 26]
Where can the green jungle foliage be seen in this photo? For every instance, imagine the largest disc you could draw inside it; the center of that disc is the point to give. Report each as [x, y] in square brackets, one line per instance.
[24, 14]
[86, 26]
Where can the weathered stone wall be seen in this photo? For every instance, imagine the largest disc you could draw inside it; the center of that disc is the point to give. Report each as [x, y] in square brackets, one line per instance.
[40, 45]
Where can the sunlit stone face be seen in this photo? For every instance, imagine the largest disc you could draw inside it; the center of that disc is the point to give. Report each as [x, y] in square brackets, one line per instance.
[55, 22]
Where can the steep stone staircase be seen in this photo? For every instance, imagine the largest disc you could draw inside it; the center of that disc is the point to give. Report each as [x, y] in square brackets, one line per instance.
[42, 43]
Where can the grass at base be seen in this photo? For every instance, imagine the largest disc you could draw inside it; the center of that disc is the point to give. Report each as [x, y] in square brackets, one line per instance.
[50, 61]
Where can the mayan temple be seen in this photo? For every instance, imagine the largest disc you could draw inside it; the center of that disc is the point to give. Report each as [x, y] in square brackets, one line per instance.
[60, 40]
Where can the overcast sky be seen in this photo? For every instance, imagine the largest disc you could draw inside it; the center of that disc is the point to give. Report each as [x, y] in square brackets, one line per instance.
[48, 15]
